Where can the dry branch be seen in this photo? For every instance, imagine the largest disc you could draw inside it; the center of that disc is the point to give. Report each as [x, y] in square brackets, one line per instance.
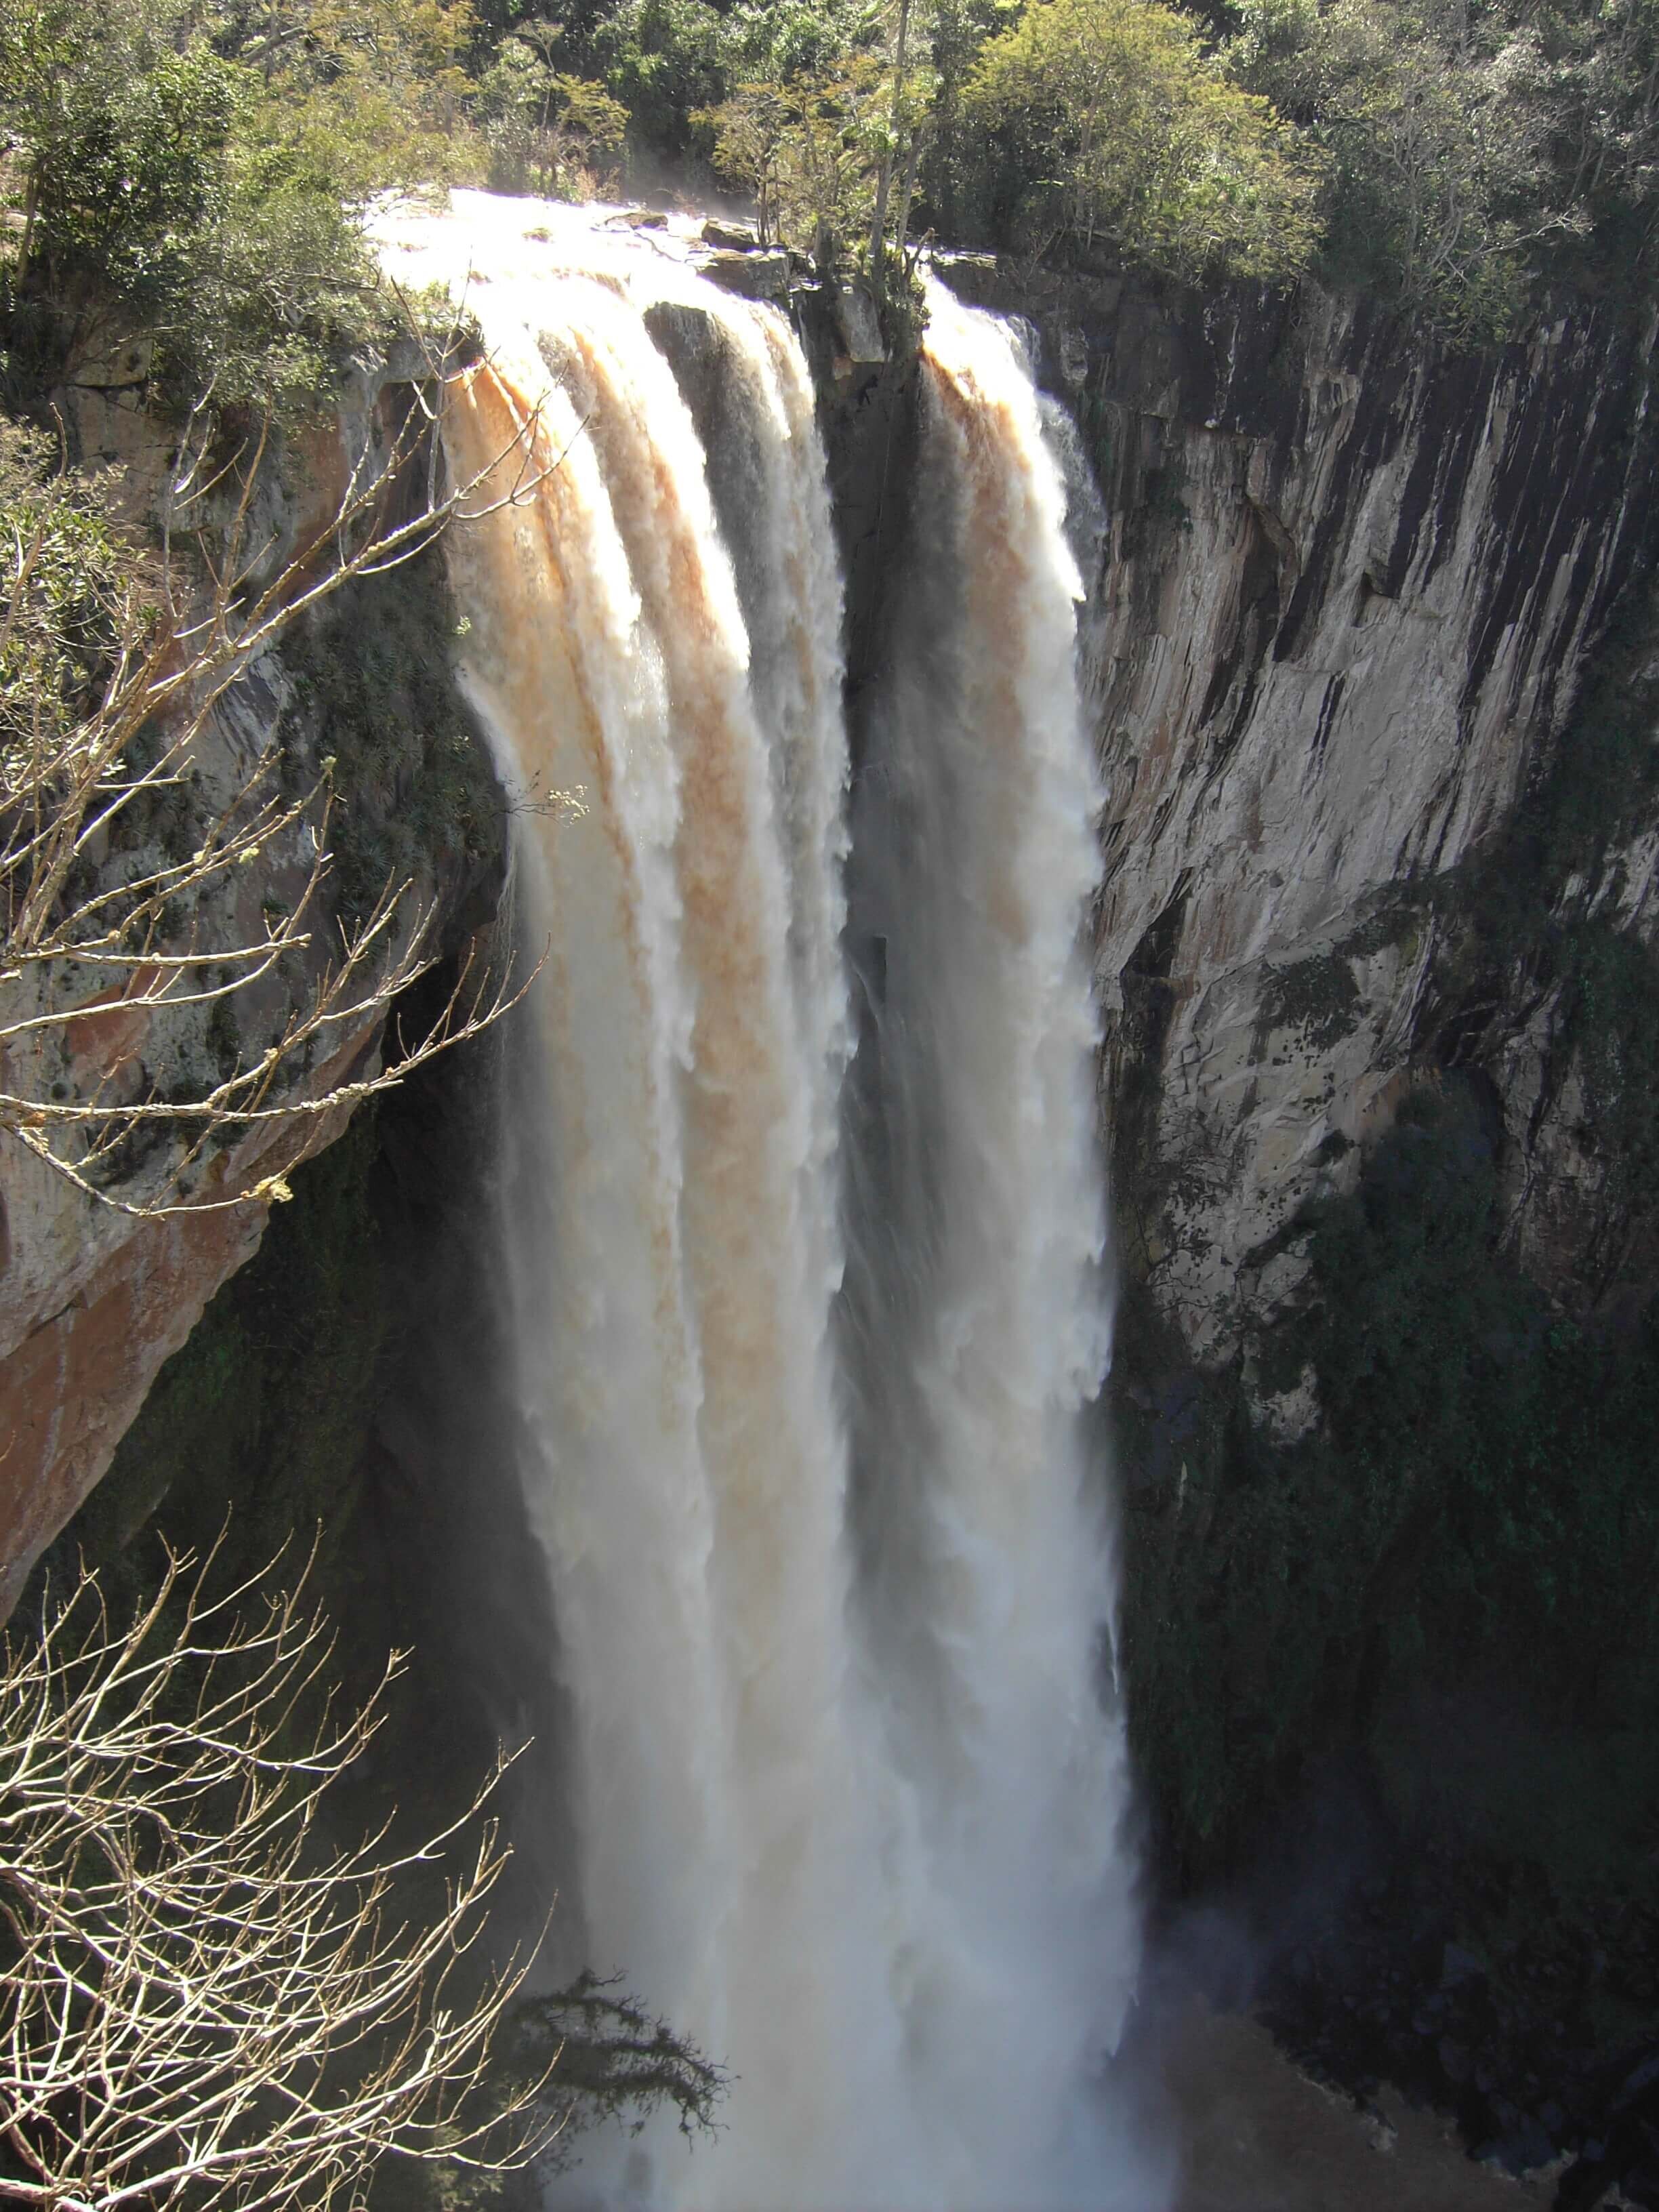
[155, 944]
[203, 2002]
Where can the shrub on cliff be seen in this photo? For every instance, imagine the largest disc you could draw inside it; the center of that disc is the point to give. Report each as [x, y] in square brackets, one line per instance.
[1109, 122]
[75, 590]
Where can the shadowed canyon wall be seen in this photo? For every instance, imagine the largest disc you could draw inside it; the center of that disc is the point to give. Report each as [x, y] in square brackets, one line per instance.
[1371, 647]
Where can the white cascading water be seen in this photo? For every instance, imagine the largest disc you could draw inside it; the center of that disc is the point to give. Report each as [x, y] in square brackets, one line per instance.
[849, 1793]
[979, 1325]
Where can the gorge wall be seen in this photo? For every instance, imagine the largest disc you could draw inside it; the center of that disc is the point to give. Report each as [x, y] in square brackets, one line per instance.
[1369, 644]
[1370, 655]
[95, 1298]
[1349, 591]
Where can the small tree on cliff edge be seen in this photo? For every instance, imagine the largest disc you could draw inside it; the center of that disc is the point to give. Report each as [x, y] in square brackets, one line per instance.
[206, 2003]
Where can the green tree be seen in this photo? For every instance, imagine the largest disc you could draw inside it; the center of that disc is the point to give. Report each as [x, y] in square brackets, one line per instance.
[169, 201]
[1600, 81]
[899, 131]
[382, 84]
[810, 151]
[117, 132]
[1112, 126]
[665, 60]
[950, 161]
[1434, 120]
[752, 133]
[548, 131]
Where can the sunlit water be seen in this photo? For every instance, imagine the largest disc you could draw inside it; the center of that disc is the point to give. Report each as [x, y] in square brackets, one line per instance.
[830, 1562]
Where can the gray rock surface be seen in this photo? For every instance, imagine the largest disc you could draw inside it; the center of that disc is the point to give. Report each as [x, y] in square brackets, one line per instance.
[1347, 593]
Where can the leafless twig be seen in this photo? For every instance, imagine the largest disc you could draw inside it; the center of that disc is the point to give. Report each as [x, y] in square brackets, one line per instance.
[202, 2000]
[95, 955]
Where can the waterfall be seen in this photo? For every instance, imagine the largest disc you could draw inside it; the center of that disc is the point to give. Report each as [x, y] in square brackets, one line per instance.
[803, 1415]
[978, 1319]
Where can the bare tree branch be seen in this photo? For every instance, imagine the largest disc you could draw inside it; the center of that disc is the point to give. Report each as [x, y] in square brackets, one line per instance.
[201, 2000]
[109, 721]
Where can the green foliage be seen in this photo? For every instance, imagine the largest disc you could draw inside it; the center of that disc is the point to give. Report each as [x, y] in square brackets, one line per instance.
[1475, 151]
[1112, 123]
[1433, 118]
[665, 60]
[188, 183]
[953, 156]
[72, 573]
[190, 173]
[168, 197]
[809, 151]
[547, 131]
[1317, 998]
[754, 134]
[381, 84]
[121, 130]
[1410, 1249]
[787, 39]
[670, 62]
[1453, 157]
[270, 295]
[819, 112]
[1599, 67]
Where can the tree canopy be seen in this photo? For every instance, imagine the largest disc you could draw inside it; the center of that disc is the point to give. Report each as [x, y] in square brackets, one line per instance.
[194, 168]
[1436, 124]
[1111, 123]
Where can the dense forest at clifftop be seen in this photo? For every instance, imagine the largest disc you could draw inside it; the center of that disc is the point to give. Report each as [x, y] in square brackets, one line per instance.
[189, 170]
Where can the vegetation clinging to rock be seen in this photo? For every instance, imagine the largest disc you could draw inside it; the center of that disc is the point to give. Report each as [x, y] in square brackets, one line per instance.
[1111, 123]
[191, 175]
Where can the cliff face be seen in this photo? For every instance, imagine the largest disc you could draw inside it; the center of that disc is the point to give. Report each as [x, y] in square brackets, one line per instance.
[1349, 591]
[1374, 656]
[1344, 590]
[95, 1298]
[1374, 671]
